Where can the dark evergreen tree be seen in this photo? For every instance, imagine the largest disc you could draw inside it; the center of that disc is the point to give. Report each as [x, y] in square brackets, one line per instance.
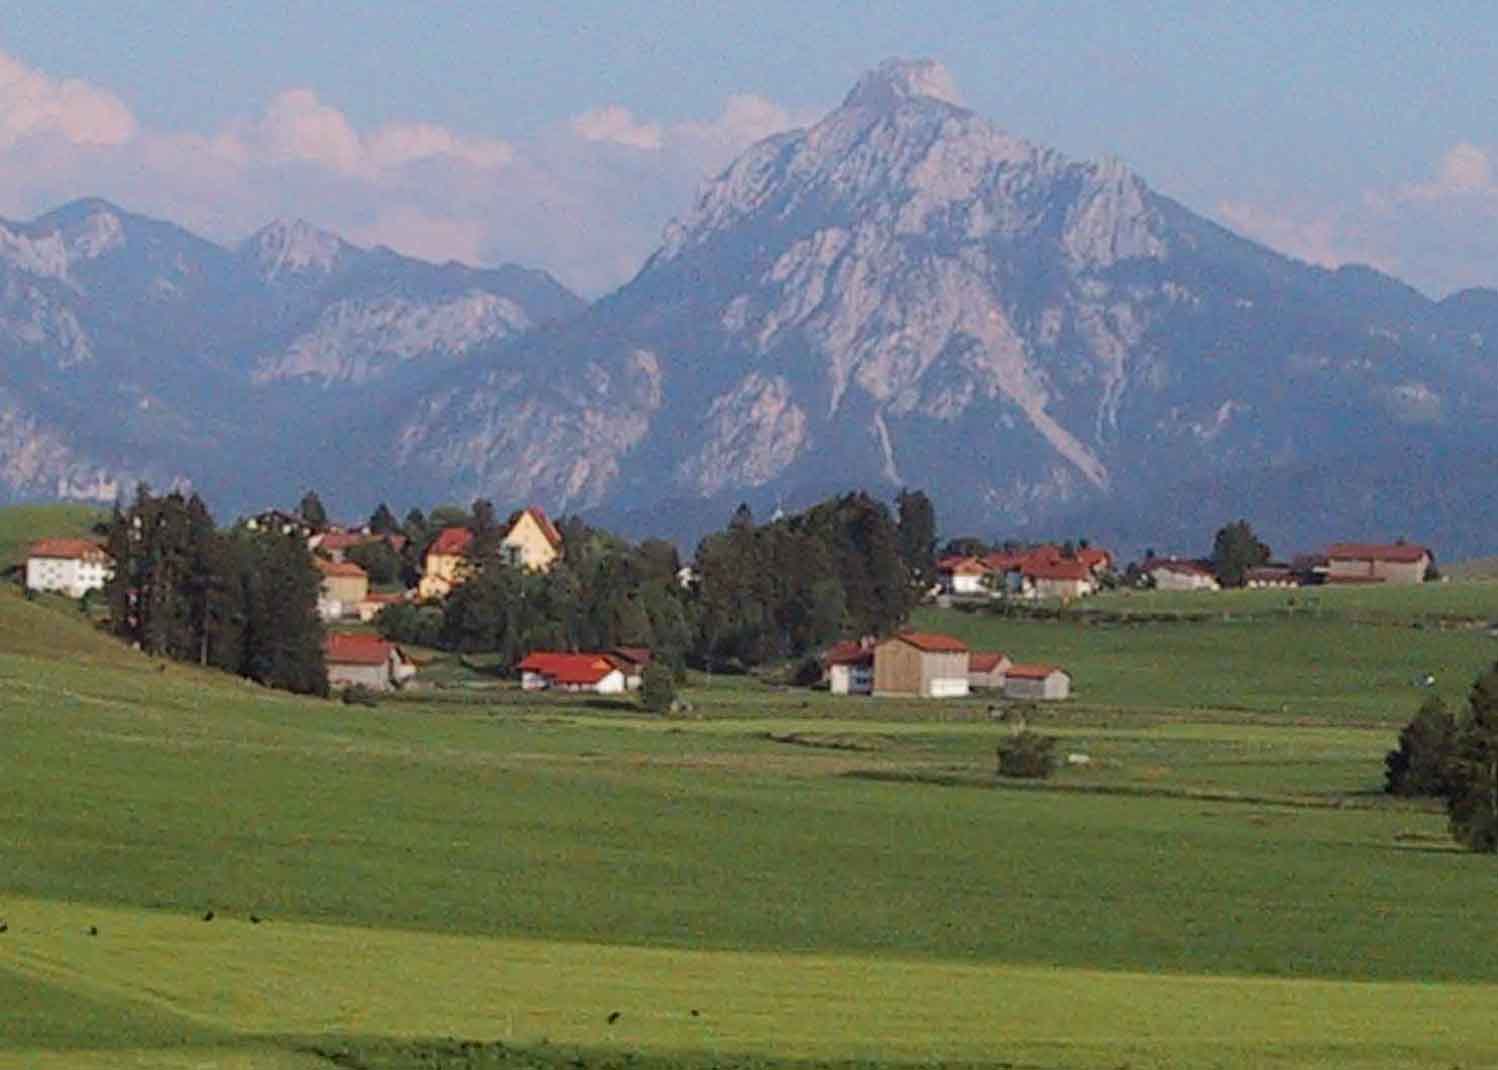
[312, 512]
[382, 521]
[1419, 765]
[1235, 550]
[1472, 773]
[917, 524]
[376, 558]
[284, 635]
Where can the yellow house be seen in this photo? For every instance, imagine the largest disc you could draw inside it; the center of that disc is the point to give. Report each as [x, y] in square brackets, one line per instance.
[532, 540]
[446, 564]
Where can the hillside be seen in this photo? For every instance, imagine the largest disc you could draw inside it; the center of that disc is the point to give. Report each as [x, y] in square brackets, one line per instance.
[22, 525]
[493, 869]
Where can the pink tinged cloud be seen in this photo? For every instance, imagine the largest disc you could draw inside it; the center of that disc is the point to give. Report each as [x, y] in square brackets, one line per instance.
[568, 200]
[31, 104]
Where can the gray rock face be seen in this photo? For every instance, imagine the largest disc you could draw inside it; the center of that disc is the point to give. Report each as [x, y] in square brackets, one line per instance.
[905, 294]
[130, 349]
[901, 294]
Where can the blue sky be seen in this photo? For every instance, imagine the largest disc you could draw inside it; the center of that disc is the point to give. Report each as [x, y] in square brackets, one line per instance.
[567, 135]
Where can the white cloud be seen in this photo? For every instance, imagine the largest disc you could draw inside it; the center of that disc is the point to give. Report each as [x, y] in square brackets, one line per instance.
[1325, 241]
[586, 198]
[1466, 170]
[617, 125]
[31, 104]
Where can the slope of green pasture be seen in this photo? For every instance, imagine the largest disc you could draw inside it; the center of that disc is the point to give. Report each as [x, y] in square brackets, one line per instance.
[1328, 670]
[187, 790]
[305, 986]
[1396, 603]
[22, 525]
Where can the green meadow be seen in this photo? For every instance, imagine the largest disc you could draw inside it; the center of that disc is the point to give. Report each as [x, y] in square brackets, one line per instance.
[781, 878]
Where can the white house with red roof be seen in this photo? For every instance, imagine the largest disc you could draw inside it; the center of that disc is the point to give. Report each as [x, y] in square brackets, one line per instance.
[848, 667]
[68, 566]
[364, 661]
[1175, 574]
[961, 575]
[1371, 562]
[531, 540]
[1040, 682]
[1063, 578]
[543, 670]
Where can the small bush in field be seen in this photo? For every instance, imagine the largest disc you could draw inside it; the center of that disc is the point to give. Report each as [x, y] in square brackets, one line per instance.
[1027, 754]
[359, 695]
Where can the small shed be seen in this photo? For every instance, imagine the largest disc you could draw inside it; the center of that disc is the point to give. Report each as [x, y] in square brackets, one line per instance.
[1037, 682]
[849, 668]
[986, 669]
[922, 664]
[364, 661]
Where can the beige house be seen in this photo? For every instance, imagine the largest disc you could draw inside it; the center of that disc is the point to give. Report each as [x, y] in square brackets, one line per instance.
[532, 541]
[344, 586]
[962, 575]
[986, 669]
[69, 566]
[446, 564]
[1357, 562]
[924, 664]
[1037, 682]
[1172, 574]
[1065, 579]
[365, 661]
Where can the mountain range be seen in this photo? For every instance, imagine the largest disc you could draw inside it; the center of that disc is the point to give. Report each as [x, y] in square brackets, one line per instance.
[902, 294]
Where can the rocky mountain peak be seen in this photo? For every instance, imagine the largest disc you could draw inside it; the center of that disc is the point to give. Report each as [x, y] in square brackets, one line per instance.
[294, 247]
[898, 81]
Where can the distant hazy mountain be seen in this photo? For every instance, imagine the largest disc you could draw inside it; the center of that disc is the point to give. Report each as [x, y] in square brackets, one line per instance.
[131, 349]
[902, 294]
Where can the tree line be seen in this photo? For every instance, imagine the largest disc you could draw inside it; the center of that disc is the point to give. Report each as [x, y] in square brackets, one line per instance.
[241, 601]
[1454, 758]
[758, 592]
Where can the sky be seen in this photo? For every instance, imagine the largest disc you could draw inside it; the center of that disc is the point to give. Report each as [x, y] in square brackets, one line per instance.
[566, 136]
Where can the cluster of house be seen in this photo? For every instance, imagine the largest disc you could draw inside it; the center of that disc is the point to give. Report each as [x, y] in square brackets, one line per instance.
[1344, 563]
[1046, 571]
[1055, 572]
[931, 665]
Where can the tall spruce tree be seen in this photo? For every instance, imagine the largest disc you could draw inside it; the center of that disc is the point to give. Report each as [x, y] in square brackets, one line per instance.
[917, 524]
[1472, 774]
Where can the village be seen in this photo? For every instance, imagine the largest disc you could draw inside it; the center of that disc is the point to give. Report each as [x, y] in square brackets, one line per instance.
[905, 663]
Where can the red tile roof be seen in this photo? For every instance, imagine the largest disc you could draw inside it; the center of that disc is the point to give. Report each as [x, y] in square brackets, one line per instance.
[341, 569]
[451, 542]
[985, 660]
[68, 549]
[341, 648]
[343, 540]
[1395, 553]
[1032, 672]
[1171, 564]
[1057, 570]
[848, 652]
[933, 642]
[543, 522]
[564, 668]
[1094, 558]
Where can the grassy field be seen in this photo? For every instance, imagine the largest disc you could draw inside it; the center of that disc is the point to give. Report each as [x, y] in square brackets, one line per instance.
[821, 879]
[21, 525]
[1325, 668]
